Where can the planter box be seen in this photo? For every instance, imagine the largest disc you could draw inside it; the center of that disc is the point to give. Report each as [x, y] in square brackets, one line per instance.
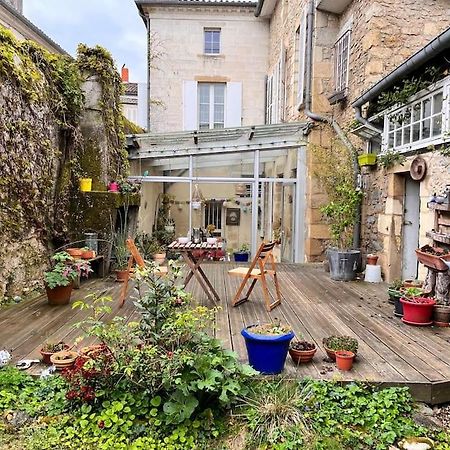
[433, 261]
[368, 159]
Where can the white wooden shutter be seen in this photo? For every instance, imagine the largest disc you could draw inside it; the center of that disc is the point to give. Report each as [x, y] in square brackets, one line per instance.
[233, 105]
[190, 106]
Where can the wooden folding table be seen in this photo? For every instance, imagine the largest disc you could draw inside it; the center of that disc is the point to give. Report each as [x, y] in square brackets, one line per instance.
[194, 255]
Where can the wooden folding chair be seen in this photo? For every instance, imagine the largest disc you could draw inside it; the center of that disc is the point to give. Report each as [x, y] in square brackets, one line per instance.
[257, 271]
[135, 256]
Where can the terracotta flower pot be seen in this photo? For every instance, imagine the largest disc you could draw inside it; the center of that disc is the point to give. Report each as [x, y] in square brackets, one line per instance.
[372, 260]
[59, 295]
[122, 275]
[159, 258]
[344, 360]
[302, 356]
[64, 360]
[47, 355]
[75, 252]
[88, 254]
[418, 312]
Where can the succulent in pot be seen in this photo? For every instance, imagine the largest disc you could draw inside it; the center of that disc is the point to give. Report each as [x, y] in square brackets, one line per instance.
[49, 348]
[302, 351]
[335, 343]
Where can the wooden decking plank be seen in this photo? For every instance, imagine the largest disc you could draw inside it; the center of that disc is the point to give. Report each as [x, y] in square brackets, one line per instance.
[433, 339]
[378, 335]
[404, 334]
[319, 328]
[369, 340]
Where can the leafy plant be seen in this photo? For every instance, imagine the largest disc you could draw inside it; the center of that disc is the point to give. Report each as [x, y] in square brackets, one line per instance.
[121, 253]
[412, 292]
[390, 158]
[396, 285]
[334, 171]
[244, 248]
[347, 343]
[65, 270]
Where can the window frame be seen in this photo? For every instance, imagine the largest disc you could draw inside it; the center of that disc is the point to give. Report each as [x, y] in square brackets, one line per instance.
[342, 60]
[218, 214]
[212, 106]
[212, 30]
[441, 87]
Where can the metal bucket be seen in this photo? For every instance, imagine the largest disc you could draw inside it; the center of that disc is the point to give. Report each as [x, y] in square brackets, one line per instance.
[91, 241]
[343, 264]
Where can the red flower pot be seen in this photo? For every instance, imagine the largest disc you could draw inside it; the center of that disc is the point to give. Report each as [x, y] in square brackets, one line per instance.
[113, 187]
[122, 275]
[344, 360]
[418, 311]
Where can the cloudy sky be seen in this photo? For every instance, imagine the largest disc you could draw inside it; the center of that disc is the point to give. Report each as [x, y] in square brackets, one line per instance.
[114, 24]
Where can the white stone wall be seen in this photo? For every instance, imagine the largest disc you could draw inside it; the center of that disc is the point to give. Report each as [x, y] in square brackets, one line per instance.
[177, 34]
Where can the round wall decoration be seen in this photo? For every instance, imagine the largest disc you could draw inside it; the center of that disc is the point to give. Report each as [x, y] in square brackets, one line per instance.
[418, 168]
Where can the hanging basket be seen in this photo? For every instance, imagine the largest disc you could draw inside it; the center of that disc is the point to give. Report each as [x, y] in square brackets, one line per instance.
[196, 204]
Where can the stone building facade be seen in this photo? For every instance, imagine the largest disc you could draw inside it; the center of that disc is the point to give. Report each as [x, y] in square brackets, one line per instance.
[382, 35]
[11, 17]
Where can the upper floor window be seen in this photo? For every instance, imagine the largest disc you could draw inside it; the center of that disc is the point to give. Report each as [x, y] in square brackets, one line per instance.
[211, 105]
[212, 41]
[419, 123]
[341, 61]
[276, 91]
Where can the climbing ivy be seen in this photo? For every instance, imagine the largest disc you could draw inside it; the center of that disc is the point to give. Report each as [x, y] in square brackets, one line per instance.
[99, 61]
[41, 103]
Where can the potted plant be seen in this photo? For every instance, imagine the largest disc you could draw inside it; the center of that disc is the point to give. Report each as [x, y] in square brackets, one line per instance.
[157, 251]
[242, 254]
[372, 259]
[441, 314]
[417, 310]
[302, 351]
[335, 171]
[170, 225]
[49, 348]
[75, 252]
[334, 343]
[433, 257]
[88, 253]
[64, 359]
[344, 360]
[59, 279]
[113, 186]
[267, 346]
[121, 257]
[85, 184]
[367, 159]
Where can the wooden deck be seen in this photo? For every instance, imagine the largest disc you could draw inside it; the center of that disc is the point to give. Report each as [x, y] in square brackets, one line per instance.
[390, 352]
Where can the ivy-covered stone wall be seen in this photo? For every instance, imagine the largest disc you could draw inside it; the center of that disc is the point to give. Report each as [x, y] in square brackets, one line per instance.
[45, 149]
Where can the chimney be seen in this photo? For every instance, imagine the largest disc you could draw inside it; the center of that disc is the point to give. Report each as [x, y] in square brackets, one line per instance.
[125, 74]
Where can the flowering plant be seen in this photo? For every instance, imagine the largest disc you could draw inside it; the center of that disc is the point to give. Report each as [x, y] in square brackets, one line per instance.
[65, 269]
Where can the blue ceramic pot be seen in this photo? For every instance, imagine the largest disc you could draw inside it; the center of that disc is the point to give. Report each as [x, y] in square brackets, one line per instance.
[267, 353]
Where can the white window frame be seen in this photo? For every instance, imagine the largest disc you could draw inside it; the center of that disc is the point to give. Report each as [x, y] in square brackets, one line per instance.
[212, 105]
[218, 214]
[301, 55]
[269, 100]
[393, 130]
[276, 91]
[205, 34]
[342, 61]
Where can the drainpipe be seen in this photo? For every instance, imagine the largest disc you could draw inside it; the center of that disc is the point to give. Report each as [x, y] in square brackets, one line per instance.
[325, 119]
[146, 20]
